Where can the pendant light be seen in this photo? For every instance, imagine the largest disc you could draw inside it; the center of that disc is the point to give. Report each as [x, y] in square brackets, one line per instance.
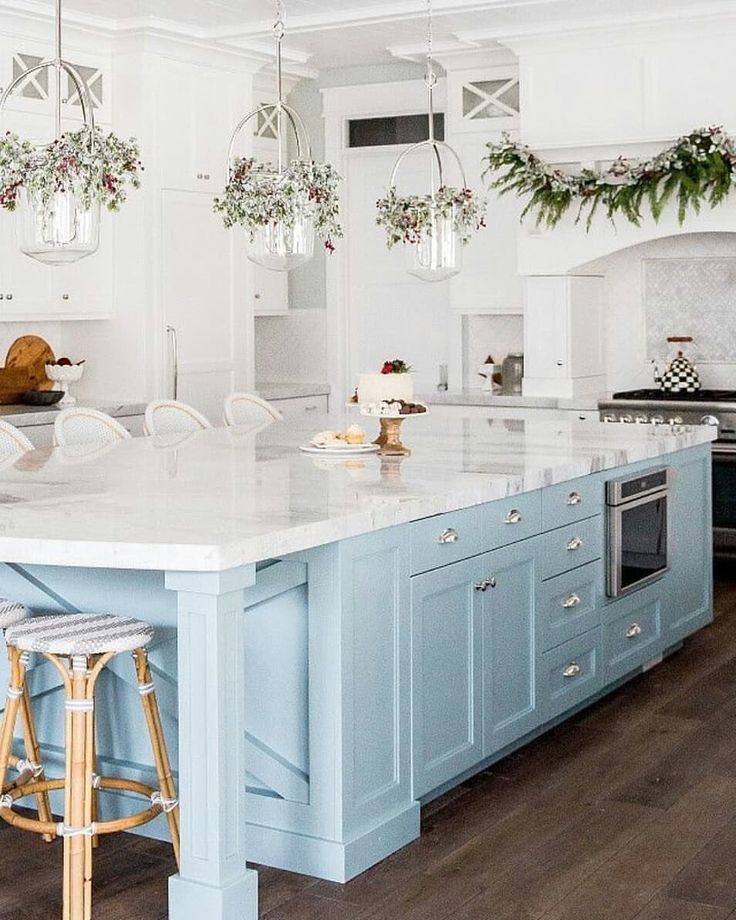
[281, 205]
[434, 227]
[61, 228]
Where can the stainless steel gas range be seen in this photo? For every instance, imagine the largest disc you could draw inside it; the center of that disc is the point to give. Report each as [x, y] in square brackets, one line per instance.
[704, 407]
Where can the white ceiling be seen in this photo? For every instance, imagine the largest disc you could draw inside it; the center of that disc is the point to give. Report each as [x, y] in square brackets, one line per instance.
[336, 33]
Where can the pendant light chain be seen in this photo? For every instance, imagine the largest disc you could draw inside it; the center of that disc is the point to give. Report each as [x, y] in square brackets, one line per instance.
[278, 31]
[58, 68]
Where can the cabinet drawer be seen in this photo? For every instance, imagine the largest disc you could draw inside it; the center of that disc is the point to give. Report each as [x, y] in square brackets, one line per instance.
[512, 519]
[568, 605]
[571, 501]
[572, 546]
[633, 636]
[570, 674]
[446, 538]
[301, 407]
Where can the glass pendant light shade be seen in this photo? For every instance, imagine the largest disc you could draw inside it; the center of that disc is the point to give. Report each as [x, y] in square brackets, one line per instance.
[439, 253]
[282, 246]
[59, 231]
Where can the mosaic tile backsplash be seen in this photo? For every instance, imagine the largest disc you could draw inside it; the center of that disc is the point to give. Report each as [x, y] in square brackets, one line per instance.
[694, 297]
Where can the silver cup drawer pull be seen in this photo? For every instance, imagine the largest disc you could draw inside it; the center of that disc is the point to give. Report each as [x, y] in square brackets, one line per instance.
[485, 584]
[513, 517]
[574, 498]
[450, 535]
[574, 543]
[572, 600]
[633, 631]
[571, 670]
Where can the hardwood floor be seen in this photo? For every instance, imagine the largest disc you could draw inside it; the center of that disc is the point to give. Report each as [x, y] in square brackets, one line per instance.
[627, 812]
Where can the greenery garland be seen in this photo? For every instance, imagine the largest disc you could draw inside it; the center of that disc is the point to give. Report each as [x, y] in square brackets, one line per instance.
[97, 172]
[699, 167]
[257, 195]
[405, 218]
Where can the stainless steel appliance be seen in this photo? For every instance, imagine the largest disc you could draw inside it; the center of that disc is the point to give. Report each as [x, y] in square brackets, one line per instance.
[512, 372]
[705, 407]
[638, 531]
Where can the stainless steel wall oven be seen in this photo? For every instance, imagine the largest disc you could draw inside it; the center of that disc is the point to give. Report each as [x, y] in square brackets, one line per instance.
[638, 530]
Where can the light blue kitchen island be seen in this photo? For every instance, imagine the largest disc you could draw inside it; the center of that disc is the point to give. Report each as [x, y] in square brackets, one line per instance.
[339, 639]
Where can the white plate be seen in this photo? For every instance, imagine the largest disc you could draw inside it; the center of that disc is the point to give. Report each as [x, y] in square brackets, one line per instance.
[340, 451]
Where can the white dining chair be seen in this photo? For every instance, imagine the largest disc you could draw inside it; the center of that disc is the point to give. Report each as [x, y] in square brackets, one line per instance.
[248, 409]
[12, 440]
[81, 425]
[169, 416]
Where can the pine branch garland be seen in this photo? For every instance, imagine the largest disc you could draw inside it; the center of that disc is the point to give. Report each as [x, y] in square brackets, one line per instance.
[699, 167]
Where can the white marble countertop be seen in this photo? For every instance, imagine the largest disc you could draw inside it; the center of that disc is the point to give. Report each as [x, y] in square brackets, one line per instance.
[281, 389]
[479, 397]
[220, 498]
[24, 416]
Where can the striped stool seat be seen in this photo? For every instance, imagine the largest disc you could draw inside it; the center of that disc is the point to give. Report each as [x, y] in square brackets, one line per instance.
[79, 634]
[11, 612]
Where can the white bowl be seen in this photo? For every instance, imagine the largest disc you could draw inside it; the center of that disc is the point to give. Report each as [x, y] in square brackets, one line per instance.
[64, 373]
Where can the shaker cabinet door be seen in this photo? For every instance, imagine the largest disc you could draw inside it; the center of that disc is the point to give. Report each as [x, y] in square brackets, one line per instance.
[446, 674]
[509, 699]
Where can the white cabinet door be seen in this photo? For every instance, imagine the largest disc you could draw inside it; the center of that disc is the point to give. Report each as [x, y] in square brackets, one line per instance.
[270, 291]
[198, 110]
[203, 298]
[546, 340]
[489, 281]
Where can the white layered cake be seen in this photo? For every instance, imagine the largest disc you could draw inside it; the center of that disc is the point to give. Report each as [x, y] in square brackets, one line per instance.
[378, 388]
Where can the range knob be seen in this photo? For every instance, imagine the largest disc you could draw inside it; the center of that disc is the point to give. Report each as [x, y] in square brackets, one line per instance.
[657, 420]
[641, 419]
[675, 420]
[609, 418]
[710, 420]
[627, 418]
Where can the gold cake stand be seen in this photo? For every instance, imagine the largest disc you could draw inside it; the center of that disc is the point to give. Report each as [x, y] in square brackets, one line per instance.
[389, 437]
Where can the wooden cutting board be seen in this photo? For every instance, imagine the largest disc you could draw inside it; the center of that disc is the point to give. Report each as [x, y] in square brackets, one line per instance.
[31, 353]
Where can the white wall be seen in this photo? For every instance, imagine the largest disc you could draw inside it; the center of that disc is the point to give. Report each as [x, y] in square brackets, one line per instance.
[292, 348]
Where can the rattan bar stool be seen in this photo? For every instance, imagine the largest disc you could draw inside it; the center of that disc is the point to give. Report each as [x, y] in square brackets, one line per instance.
[80, 646]
[29, 767]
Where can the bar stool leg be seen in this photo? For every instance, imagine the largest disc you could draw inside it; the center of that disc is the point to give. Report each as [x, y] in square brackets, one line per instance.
[12, 705]
[78, 792]
[33, 753]
[158, 743]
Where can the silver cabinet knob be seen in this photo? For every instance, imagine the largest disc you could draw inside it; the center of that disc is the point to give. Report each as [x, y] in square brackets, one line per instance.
[633, 631]
[574, 498]
[571, 670]
[485, 584]
[65, 297]
[199, 176]
[560, 364]
[448, 536]
[572, 600]
[206, 175]
[8, 296]
[574, 543]
[513, 517]
[311, 408]
[257, 296]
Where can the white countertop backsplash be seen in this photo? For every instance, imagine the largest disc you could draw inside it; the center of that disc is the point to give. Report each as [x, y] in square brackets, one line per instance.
[219, 498]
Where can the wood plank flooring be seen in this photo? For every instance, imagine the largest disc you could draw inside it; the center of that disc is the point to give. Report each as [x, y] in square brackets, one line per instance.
[628, 812]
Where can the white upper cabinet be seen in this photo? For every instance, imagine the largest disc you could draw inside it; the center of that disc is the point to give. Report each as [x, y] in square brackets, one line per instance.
[483, 102]
[196, 112]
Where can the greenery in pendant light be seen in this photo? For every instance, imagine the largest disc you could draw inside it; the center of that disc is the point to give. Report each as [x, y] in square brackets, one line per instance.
[258, 195]
[406, 218]
[698, 168]
[95, 166]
